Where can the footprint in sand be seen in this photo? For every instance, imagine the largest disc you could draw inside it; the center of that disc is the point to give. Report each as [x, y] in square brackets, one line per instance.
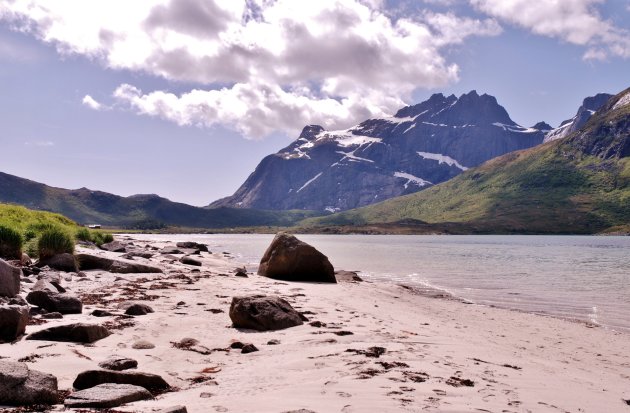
[343, 394]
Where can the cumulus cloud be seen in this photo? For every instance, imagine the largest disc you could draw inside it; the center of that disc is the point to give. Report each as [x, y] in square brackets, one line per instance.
[260, 65]
[91, 103]
[574, 21]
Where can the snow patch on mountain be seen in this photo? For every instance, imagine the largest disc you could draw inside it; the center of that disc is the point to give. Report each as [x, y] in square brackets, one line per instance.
[310, 181]
[442, 159]
[411, 179]
[515, 128]
[624, 101]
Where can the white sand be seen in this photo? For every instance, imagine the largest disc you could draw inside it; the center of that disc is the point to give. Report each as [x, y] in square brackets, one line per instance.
[561, 366]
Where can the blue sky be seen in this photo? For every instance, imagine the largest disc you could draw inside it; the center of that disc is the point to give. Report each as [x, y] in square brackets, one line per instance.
[173, 100]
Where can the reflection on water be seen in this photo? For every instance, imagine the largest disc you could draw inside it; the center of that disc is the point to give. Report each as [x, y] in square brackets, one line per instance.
[586, 278]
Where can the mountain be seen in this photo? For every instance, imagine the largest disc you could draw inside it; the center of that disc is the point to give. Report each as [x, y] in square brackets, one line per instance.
[580, 184]
[590, 105]
[420, 146]
[137, 211]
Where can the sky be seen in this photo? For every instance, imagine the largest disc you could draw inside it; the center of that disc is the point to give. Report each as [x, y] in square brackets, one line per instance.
[183, 98]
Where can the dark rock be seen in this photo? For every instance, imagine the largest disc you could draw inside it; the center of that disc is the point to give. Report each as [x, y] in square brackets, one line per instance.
[52, 316]
[262, 313]
[55, 302]
[141, 254]
[138, 309]
[61, 262]
[20, 386]
[114, 246]
[107, 395]
[273, 342]
[118, 364]
[9, 279]
[193, 245]
[170, 250]
[240, 272]
[174, 409]
[237, 345]
[91, 378]
[249, 348]
[13, 321]
[78, 333]
[92, 262]
[190, 261]
[101, 313]
[290, 259]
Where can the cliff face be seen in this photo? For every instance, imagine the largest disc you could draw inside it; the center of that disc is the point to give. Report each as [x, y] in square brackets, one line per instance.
[420, 146]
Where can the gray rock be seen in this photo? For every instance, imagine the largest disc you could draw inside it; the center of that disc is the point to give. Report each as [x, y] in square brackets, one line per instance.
[190, 261]
[54, 302]
[92, 262]
[61, 262]
[13, 321]
[174, 409]
[290, 259]
[52, 316]
[107, 395]
[20, 386]
[118, 364]
[138, 309]
[9, 279]
[193, 245]
[141, 254]
[44, 285]
[26, 260]
[114, 246]
[91, 378]
[170, 250]
[347, 276]
[78, 333]
[101, 313]
[262, 313]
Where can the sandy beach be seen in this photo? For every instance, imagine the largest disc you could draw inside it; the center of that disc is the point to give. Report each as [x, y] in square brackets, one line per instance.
[367, 347]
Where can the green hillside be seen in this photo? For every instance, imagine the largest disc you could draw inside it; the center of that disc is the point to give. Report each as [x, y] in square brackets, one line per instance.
[580, 184]
[138, 211]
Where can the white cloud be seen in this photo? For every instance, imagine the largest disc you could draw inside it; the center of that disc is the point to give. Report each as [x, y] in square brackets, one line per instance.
[279, 64]
[574, 21]
[91, 103]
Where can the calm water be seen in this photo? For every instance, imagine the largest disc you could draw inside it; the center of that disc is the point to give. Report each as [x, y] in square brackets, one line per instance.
[585, 278]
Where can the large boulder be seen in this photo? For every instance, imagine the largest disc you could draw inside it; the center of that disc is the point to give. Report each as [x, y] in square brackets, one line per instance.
[78, 333]
[92, 262]
[20, 386]
[114, 246]
[61, 262]
[262, 313]
[107, 395]
[13, 320]
[55, 302]
[91, 378]
[290, 259]
[9, 279]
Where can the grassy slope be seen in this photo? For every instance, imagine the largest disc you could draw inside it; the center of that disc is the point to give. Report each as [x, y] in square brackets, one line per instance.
[549, 189]
[22, 218]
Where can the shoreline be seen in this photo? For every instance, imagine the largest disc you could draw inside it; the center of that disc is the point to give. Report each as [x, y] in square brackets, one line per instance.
[438, 354]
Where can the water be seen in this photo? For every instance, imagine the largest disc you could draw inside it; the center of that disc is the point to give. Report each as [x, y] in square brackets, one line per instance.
[575, 277]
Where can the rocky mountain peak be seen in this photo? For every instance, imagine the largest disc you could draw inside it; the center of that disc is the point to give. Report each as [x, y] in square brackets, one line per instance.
[310, 132]
[543, 126]
[590, 105]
